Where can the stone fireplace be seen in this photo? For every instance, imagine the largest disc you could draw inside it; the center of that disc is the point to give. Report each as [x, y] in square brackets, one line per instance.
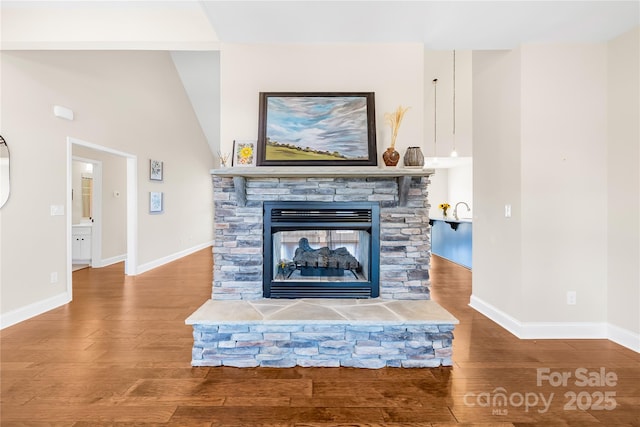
[400, 197]
[321, 267]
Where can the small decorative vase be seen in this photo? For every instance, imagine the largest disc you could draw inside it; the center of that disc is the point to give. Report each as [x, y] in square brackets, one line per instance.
[413, 157]
[390, 157]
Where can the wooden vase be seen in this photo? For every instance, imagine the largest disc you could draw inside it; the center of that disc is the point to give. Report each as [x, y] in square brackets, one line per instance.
[391, 157]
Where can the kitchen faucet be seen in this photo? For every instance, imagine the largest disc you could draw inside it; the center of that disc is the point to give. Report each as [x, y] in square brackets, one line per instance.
[455, 210]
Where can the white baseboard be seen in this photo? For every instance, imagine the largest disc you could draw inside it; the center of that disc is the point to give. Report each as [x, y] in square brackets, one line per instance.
[16, 316]
[624, 337]
[142, 268]
[501, 318]
[32, 310]
[557, 330]
[110, 261]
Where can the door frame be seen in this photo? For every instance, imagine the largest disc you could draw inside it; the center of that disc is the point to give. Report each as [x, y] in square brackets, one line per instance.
[131, 261]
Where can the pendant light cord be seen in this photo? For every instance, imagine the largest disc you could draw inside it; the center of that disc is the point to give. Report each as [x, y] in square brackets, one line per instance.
[454, 98]
[454, 153]
[435, 115]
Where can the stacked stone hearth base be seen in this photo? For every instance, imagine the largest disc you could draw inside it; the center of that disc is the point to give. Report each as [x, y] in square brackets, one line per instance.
[371, 333]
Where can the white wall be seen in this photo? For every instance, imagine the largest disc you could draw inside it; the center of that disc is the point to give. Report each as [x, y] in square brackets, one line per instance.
[106, 25]
[461, 189]
[497, 242]
[200, 76]
[623, 186]
[439, 64]
[438, 191]
[393, 72]
[564, 201]
[556, 136]
[451, 185]
[132, 102]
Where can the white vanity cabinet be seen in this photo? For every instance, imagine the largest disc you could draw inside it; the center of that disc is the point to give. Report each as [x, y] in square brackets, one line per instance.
[81, 244]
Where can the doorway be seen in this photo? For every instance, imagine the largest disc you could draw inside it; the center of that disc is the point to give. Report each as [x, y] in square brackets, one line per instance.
[131, 206]
[86, 213]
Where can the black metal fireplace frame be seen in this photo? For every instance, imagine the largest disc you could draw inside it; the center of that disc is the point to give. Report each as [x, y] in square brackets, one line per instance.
[346, 216]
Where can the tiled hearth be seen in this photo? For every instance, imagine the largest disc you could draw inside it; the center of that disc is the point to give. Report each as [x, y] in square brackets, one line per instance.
[402, 328]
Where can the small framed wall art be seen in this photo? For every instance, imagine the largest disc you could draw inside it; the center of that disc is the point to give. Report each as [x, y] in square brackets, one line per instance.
[244, 153]
[156, 170]
[156, 202]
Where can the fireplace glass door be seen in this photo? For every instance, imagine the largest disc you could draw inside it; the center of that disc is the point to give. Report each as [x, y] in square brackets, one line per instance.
[321, 255]
[326, 250]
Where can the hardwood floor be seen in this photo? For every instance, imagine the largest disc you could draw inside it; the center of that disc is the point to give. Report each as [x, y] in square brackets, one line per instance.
[120, 354]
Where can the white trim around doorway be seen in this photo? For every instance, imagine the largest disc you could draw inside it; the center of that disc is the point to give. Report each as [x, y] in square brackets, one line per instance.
[132, 206]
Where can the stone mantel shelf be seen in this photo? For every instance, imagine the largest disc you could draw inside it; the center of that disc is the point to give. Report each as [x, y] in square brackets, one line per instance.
[240, 174]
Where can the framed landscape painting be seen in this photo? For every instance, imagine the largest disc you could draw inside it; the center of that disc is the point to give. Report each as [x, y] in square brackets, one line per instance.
[317, 128]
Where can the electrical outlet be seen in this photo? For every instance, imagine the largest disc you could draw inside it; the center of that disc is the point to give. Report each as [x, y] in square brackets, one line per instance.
[54, 277]
[507, 211]
[571, 298]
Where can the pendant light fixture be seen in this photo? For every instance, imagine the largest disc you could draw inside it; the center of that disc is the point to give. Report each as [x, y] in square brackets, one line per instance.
[435, 121]
[454, 153]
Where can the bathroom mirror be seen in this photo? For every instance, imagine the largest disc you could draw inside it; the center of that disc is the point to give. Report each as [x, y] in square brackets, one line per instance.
[81, 191]
[4, 172]
[87, 196]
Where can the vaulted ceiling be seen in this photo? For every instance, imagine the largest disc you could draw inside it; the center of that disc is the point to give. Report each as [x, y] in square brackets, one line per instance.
[204, 24]
[437, 24]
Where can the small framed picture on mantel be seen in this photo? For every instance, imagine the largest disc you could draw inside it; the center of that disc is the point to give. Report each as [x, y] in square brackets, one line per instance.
[244, 153]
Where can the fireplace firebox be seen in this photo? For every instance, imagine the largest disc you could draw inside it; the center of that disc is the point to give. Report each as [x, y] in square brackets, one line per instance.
[321, 250]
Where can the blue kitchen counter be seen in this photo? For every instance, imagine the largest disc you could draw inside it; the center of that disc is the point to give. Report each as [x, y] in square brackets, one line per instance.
[451, 239]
